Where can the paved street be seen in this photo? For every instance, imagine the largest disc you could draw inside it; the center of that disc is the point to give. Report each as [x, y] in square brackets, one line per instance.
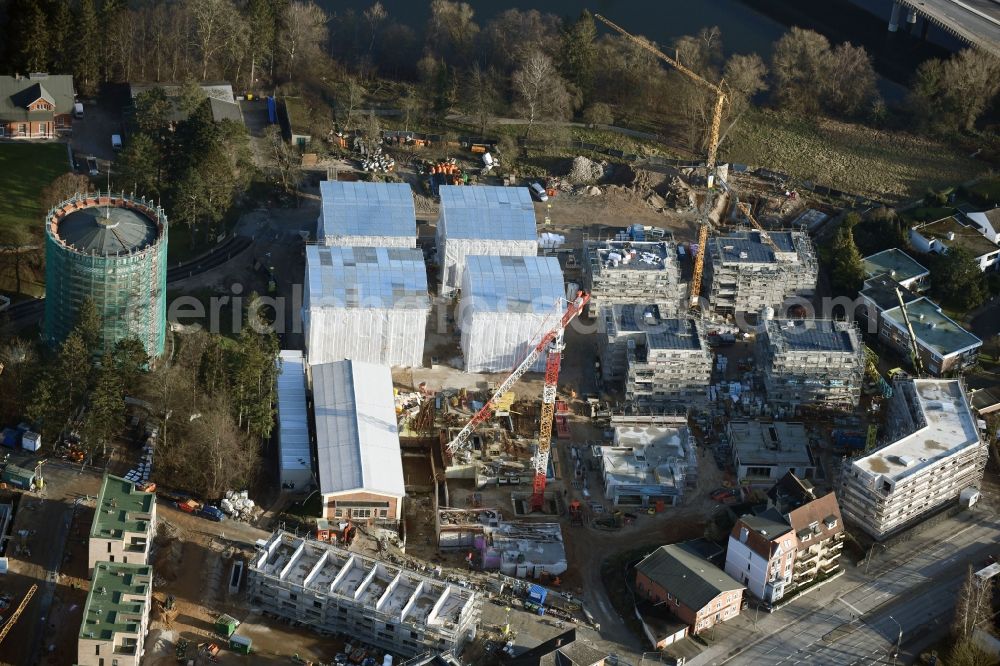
[854, 619]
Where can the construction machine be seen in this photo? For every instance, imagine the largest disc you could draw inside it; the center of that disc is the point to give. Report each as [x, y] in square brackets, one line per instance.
[764, 236]
[720, 94]
[17, 613]
[918, 364]
[552, 344]
[699, 264]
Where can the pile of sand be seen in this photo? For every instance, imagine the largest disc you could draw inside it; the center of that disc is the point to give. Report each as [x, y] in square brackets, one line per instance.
[585, 171]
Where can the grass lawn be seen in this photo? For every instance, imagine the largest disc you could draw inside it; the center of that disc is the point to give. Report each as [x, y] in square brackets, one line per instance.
[25, 170]
[852, 158]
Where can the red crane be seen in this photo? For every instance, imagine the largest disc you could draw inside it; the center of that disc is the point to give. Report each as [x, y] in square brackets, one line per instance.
[552, 343]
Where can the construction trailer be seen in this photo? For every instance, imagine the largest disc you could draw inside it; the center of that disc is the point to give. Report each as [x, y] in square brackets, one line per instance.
[294, 453]
[814, 362]
[652, 462]
[365, 304]
[748, 271]
[333, 590]
[482, 220]
[933, 455]
[359, 214]
[669, 367]
[506, 302]
[634, 272]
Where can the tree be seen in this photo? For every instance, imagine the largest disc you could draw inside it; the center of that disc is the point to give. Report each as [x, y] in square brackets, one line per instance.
[303, 31]
[88, 324]
[130, 360]
[213, 20]
[284, 164]
[973, 608]
[451, 31]
[481, 96]
[374, 16]
[745, 77]
[598, 113]
[515, 32]
[72, 367]
[540, 92]
[846, 268]
[880, 230]
[190, 96]
[29, 36]
[62, 188]
[952, 95]
[957, 280]
[60, 37]
[849, 83]
[139, 164]
[19, 375]
[86, 49]
[350, 100]
[106, 414]
[17, 249]
[578, 54]
[152, 111]
[799, 62]
[259, 21]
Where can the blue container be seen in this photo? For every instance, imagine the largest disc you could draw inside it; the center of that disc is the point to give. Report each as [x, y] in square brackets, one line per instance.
[11, 437]
[537, 594]
[272, 110]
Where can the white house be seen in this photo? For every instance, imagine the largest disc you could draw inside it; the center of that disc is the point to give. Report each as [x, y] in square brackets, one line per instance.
[940, 235]
[761, 555]
[987, 222]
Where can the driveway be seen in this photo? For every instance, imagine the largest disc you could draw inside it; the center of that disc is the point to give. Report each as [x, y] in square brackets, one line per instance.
[92, 134]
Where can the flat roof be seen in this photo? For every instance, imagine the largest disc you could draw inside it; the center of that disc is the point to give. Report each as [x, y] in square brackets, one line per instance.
[812, 335]
[487, 212]
[293, 416]
[357, 443]
[646, 455]
[946, 426]
[121, 508]
[933, 328]
[966, 237]
[881, 289]
[899, 265]
[778, 443]
[633, 255]
[747, 246]
[366, 277]
[366, 209]
[513, 284]
[675, 334]
[116, 600]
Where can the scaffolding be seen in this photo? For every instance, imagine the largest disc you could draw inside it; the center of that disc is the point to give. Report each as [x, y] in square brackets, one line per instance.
[110, 249]
[620, 271]
[333, 590]
[746, 274]
[818, 362]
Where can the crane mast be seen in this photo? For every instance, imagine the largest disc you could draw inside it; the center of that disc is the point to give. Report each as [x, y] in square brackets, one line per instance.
[573, 309]
[17, 613]
[918, 365]
[699, 264]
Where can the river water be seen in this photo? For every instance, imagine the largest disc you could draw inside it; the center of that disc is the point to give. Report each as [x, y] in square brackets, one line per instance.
[747, 26]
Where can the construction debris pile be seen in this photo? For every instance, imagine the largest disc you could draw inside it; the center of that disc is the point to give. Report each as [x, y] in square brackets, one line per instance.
[585, 171]
[240, 507]
[378, 162]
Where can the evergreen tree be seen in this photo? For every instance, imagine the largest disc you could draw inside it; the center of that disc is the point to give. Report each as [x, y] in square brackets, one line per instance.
[88, 324]
[846, 269]
[86, 49]
[29, 36]
[579, 53]
[60, 37]
[139, 165]
[130, 360]
[106, 414]
[957, 280]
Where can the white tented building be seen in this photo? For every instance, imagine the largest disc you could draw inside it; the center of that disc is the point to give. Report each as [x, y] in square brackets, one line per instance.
[367, 215]
[366, 304]
[479, 221]
[507, 303]
[294, 459]
[357, 441]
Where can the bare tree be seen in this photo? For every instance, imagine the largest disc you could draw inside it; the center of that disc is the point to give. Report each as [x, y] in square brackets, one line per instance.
[283, 161]
[974, 605]
[451, 31]
[374, 15]
[481, 96]
[214, 20]
[302, 32]
[849, 82]
[63, 188]
[350, 99]
[799, 63]
[540, 92]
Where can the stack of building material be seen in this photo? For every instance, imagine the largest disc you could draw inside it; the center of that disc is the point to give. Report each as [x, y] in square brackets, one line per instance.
[482, 221]
[366, 304]
[507, 304]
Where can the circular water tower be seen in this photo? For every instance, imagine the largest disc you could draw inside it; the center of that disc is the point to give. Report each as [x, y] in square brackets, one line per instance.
[111, 248]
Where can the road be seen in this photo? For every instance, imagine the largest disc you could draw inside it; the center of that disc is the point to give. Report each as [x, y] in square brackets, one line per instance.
[974, 21]
[915, 587]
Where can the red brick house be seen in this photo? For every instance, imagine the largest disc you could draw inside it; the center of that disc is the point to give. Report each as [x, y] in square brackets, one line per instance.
[695, 591]
[38, 106]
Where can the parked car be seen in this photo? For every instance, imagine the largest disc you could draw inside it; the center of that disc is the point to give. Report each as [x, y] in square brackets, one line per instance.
[116, 142]
[92, 166]
[539, 192]
[212, 513]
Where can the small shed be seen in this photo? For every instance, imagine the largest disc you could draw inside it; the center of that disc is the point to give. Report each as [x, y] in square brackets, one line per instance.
[225, 625]
[240, 644]
[18, 477]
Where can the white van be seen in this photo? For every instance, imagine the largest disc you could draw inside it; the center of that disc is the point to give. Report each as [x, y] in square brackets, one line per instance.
[116, 142]
[78, 110]
[539, 192]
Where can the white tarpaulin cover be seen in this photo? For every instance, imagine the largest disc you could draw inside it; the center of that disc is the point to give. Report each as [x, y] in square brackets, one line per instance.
[293, 420]
[357, 443]
[482, 220]
[367, 215]
[507, 304]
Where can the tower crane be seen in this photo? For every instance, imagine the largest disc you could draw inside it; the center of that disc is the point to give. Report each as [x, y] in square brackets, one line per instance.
[552, 343]
[918, 365]
[699, 263]
[764, 236]
[720, 94]
[17, 613]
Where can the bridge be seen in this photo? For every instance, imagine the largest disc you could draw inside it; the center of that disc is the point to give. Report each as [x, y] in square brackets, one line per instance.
[976, 22]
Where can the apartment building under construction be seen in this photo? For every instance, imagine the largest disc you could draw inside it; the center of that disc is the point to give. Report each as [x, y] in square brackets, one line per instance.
[748, 271]
[818, 362]
[337, 591]
[620, 271]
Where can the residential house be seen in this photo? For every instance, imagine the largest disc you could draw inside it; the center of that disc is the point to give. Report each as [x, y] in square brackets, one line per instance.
[988, 223]
[944, 345]
[900, 266]
[941, 235]
[696, 592]
[37, 106]
[116, 615]
[124, 523]
[220, 97]
[817, 525]
[761, 555]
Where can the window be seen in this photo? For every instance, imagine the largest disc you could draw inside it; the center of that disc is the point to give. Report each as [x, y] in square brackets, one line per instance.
[361, 513]
[109, 546]
[339, 513]
[97, 650]
[383, 513]
[112, 558]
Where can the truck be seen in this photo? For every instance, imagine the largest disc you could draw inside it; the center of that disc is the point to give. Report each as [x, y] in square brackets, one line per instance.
[211, 513]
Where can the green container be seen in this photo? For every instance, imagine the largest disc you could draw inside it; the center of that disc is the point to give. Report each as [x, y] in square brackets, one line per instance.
[226, 625]
[240, 644]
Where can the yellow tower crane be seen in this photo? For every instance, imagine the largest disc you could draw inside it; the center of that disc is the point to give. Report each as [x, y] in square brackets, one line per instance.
[764, 236]
[17, 613]
[720, 94]
[918, 364]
